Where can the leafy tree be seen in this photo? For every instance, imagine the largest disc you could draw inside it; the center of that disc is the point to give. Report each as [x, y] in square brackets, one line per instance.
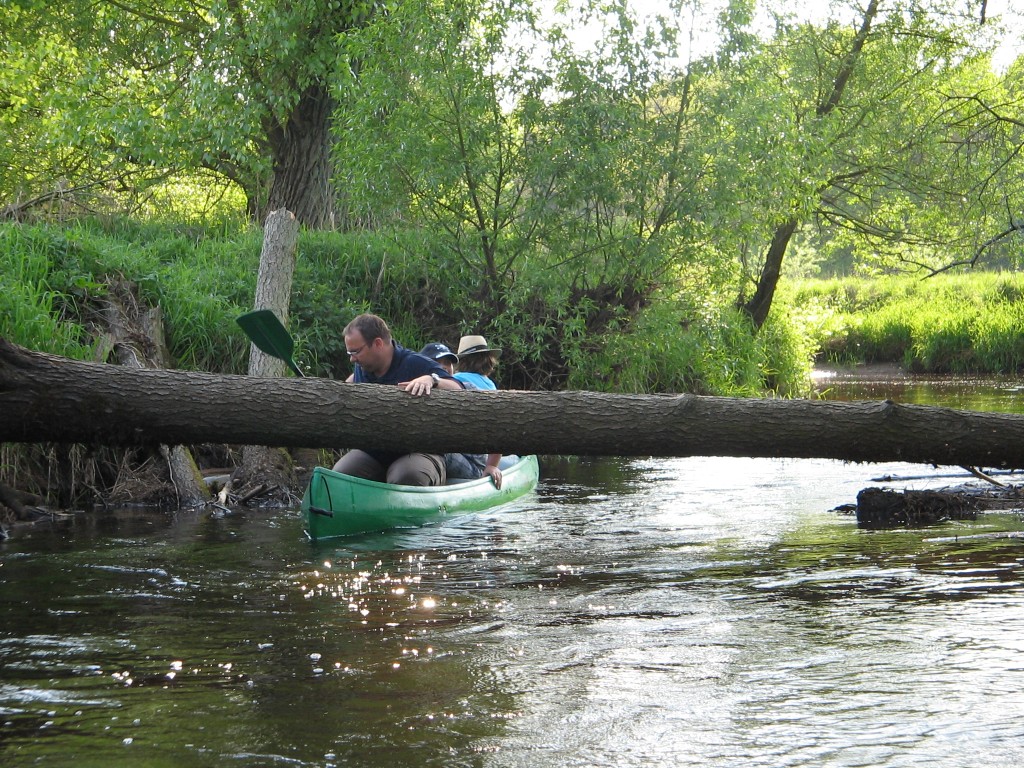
[116, 92]
[608, 173]
[628, 148]
[985, 122]
[854, 129]
[519, 148]
[443, 124]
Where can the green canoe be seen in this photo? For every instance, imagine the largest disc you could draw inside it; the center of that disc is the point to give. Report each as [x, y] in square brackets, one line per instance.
[340, 505]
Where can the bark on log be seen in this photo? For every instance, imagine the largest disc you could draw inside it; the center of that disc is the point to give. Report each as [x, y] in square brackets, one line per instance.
[45, 398]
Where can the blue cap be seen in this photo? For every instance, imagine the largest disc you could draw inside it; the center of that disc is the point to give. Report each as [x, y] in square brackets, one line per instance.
[438, 351]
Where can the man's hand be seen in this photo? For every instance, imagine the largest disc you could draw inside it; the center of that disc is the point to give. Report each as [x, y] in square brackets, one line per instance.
[495, 475]
[421, 386]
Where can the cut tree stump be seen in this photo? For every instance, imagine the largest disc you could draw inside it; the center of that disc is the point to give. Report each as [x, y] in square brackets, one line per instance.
[261, 464]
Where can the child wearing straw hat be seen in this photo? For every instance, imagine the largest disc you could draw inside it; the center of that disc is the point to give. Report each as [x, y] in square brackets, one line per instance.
[477, 362]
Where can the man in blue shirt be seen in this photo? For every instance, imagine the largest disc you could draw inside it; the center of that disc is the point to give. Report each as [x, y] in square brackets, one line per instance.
[380, 360]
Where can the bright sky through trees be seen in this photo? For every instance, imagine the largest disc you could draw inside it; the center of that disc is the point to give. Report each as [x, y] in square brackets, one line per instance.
[697, 33]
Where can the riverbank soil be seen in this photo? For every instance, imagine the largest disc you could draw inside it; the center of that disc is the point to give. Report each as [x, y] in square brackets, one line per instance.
[76, 478]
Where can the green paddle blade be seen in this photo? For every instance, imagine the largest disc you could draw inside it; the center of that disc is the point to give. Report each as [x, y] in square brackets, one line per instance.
[266, 331]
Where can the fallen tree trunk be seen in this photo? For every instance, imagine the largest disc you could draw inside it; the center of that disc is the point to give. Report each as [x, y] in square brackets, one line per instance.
[44, 398]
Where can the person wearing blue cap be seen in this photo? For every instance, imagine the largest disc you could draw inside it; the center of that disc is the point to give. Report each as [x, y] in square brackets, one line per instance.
[441, 354]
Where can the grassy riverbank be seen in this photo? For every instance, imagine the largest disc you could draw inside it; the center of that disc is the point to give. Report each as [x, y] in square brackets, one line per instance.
[955, 323]
[635, 338]
[658, 341]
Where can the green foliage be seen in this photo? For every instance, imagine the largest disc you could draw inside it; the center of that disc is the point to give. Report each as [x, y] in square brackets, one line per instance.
[32, 312]
[206, 200]
[523, 156]
[947, 324]
[788, 349]
[656, 354]
[553, 337]
[445, 143]
[998, 336]
[341, 275]
[673, 346]
[201, 284]
[887, 334]
[512, 152]
[116, 106]
[201, 280]
[518, 186]
[895, 145]
[607, 338]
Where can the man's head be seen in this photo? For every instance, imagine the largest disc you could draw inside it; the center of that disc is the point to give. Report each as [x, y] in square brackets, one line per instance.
[368, 342]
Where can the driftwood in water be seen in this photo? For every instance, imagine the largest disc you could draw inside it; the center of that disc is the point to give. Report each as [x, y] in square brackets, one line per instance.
[886, 508]
[17, 502]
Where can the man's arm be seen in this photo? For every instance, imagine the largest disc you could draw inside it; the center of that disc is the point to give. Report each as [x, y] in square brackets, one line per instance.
[427, 383]
[491, 469]
[449, 384]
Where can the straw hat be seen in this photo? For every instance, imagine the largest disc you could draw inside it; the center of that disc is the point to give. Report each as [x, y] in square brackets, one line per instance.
[471, 345]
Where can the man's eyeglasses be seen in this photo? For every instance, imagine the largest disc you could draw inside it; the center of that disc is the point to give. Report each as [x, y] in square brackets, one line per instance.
[356, 352]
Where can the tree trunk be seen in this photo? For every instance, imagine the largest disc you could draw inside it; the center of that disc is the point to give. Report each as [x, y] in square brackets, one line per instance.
[760, 303]
[44, 398]
[274, 281]
[137, 340]
[301, 151]
[273, 292]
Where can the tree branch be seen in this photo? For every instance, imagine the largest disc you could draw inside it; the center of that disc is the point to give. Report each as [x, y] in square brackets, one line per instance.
[1014, 226]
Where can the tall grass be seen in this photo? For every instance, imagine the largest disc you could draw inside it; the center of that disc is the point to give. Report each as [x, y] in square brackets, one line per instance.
[201, 278]
[970, 323]
[54, 280]
[37, 302]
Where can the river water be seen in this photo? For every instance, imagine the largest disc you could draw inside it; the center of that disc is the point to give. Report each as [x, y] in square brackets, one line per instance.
[658, 612]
